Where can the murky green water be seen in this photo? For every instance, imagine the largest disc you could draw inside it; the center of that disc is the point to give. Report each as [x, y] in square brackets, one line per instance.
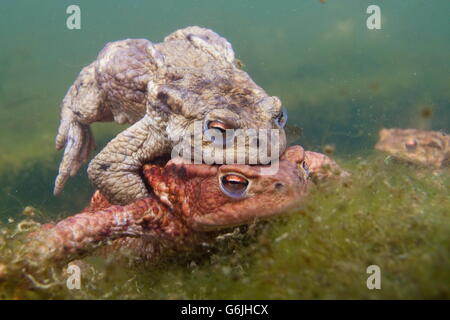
[340, 81]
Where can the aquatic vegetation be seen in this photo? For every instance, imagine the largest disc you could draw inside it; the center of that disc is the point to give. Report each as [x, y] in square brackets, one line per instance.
[390, 214]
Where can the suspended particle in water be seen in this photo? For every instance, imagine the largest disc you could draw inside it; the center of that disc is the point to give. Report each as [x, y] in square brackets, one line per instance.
[293, 134]
[426, 112]
[329, 149]
[29, 211]
[344, 91]
[374, 86]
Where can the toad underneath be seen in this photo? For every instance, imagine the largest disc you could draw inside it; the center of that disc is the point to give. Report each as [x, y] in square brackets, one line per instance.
[187, 202]
[164, 89]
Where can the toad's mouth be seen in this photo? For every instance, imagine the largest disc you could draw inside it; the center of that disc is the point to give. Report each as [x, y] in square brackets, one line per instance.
[217, 221]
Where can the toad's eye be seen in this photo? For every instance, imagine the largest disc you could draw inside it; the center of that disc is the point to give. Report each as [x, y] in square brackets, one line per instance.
[218, 132]
[234, 185]
[219, 125]
[306, 168]
[281, 118]
[411, 145]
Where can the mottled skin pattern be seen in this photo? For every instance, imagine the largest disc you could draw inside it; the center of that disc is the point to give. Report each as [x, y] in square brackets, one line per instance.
[187, 200]
[323, 168]
[162, 89]
[427, 148]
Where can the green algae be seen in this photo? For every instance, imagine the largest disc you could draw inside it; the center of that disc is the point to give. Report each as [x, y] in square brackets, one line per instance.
[388, 214]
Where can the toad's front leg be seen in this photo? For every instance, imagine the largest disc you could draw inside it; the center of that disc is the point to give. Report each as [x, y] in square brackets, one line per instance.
[78, 235]
[115, 171]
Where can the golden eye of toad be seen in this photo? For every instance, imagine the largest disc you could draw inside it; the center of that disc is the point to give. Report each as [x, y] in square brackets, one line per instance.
[219, 125]
[234, 184]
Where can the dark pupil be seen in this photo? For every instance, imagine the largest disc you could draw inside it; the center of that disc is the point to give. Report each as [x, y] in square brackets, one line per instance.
[305, 167]
[280, 117]
[234, 184]
[410, 146]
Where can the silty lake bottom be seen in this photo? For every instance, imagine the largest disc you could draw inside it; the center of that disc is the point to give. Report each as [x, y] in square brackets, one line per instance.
[340, 82]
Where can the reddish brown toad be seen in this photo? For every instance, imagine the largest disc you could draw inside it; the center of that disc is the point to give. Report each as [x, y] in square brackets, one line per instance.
[187, 200]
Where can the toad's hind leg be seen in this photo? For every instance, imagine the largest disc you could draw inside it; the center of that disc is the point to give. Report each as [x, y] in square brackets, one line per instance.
[82, 105]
